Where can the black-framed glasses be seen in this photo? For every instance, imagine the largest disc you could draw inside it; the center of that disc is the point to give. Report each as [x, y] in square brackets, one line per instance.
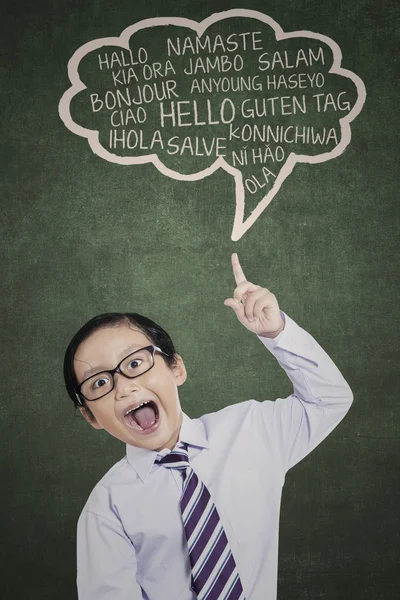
[102, 383]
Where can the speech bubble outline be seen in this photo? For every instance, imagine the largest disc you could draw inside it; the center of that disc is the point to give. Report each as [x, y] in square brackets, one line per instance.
[240, 225]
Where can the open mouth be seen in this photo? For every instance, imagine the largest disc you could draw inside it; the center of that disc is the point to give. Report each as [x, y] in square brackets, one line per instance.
[144, 418]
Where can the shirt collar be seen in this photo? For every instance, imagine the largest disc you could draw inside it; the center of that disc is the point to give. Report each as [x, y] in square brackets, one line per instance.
[192, 432]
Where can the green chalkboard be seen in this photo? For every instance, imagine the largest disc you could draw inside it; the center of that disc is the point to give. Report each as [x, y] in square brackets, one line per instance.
[135, 161]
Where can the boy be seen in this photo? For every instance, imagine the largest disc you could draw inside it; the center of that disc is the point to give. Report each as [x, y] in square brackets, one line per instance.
[192, 510]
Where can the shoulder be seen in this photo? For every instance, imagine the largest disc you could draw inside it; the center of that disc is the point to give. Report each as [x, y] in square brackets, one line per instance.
[103, 499]
[230, 417]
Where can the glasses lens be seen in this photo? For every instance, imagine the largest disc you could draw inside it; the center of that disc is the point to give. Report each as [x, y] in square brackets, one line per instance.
[137, 363]
[97, 386]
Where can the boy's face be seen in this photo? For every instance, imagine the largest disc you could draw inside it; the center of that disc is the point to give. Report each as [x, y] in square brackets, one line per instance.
[103, 350]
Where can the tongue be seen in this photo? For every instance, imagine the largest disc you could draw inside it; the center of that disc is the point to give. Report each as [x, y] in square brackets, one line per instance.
[145, 416]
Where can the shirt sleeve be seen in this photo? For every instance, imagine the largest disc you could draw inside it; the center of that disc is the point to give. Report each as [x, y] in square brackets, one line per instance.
[321, 396]
[106, 561]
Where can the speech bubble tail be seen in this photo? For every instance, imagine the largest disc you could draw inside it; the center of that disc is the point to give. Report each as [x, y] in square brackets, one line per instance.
[242, 224]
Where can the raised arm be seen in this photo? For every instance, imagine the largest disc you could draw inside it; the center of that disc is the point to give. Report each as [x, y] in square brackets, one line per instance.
[321, 396]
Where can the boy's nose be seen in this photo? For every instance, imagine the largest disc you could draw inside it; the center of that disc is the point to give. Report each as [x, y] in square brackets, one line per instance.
[124, 386]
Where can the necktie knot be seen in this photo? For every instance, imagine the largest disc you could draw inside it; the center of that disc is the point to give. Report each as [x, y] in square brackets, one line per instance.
[178, 458]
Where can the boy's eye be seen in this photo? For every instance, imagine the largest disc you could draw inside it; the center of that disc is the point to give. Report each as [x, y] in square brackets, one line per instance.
[98, 383]
[134, 363]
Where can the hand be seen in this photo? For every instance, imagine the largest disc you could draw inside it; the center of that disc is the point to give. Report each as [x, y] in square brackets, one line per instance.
[255, 307]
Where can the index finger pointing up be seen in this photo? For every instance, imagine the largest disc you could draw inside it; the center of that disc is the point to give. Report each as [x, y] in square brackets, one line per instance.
[237, 269]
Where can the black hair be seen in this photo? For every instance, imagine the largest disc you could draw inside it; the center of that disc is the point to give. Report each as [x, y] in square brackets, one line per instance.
[156, 334]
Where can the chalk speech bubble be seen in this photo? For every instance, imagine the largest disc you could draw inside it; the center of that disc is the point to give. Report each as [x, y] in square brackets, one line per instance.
[251, 103]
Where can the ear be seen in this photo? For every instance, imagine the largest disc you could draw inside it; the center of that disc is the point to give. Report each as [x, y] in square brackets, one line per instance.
[89, 417]
[179, 370]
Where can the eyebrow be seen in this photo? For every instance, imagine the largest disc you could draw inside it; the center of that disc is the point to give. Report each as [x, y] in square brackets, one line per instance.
[129, 350]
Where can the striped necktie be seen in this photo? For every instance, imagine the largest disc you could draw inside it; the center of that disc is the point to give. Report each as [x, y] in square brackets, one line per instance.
[214, 572]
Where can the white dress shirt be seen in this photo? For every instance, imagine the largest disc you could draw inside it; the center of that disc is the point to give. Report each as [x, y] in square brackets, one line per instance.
[130, 541]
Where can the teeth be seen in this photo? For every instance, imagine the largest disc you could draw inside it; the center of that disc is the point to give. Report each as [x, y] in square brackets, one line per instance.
[138, 406]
